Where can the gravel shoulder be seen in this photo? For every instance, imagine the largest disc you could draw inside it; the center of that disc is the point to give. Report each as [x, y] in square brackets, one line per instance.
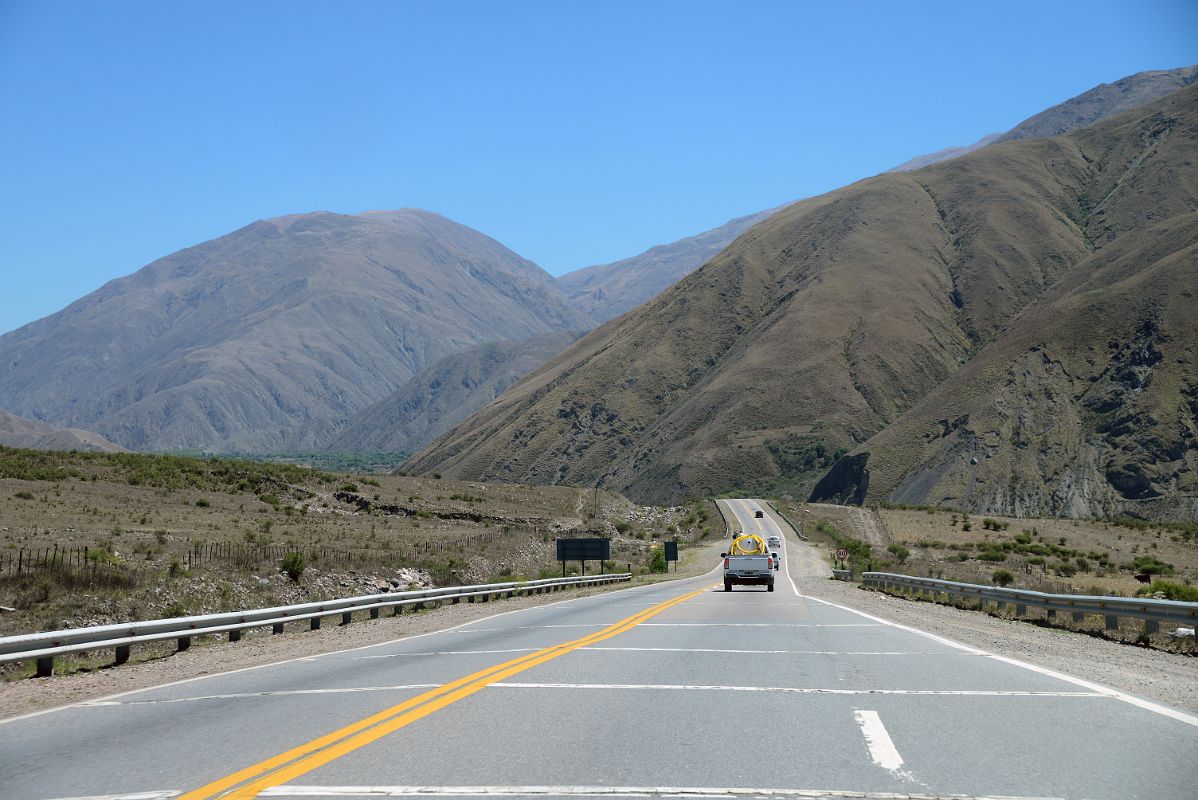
[1167, 678]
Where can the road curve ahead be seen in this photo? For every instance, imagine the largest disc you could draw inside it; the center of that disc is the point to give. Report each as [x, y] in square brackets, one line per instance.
[677, 689]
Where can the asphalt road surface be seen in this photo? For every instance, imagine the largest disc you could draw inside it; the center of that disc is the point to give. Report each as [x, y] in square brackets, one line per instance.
[675, 689]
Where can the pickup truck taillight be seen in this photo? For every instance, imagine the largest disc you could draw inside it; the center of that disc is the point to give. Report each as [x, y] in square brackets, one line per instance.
[769, 563]
[725, 562]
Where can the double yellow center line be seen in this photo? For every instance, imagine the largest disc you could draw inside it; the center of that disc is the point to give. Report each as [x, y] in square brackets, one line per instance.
[247, 783]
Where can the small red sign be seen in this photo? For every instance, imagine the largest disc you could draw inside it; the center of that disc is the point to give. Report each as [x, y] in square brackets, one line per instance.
[842, 554]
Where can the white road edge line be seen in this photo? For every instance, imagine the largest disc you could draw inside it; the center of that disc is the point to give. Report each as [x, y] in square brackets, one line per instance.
[604, 791]
[877, 739]
[161, 794]
[264, 693]
[625, 686]
[1147, 705]
[79, 703]
[799, 689]
[765, 652]
[1139, 702]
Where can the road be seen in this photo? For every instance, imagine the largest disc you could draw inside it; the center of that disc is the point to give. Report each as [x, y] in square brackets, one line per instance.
[674, 689]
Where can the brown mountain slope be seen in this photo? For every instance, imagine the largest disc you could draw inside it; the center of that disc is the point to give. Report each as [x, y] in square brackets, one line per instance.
[1104, 100]
[605, 291]
[444, 395]
[1087, 408]
[269, 337]
[33, 435]
[821, 326]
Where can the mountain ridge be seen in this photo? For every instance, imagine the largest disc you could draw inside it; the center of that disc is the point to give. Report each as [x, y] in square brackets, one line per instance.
[892, 284]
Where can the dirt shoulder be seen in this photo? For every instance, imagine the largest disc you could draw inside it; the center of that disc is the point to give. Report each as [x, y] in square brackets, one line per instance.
[1167, 678]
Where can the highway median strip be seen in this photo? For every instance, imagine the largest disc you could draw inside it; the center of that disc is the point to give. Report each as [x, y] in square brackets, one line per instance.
[249, 782]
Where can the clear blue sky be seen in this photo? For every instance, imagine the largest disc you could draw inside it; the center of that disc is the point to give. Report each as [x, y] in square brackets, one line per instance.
[573, 133]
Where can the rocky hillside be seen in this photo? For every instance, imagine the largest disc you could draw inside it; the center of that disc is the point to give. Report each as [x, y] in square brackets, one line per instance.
[605, 291]
[826, 324]
[444, 395]
[28, 433]
[270, 337]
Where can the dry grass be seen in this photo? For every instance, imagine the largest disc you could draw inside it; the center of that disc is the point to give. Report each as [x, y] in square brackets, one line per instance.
[356, 529]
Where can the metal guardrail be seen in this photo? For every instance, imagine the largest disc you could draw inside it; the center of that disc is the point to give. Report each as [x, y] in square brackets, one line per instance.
[1153, 612]
[46, 645]
[793, 527]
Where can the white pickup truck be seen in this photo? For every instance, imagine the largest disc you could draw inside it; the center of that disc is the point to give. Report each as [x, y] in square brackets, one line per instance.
[753, 568]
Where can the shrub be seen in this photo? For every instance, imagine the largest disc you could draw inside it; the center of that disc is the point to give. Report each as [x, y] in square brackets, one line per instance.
[349, 487]
[24, 495]
[175, 609]
[1172, 590]
[1002, 577]
[657, 559]
[176, 570]
[202, 503]
[1150, 565]
[899, 552]
[294, 565]
[622, 525]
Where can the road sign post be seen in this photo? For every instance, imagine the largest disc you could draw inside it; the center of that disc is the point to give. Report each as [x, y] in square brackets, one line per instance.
[583, 550]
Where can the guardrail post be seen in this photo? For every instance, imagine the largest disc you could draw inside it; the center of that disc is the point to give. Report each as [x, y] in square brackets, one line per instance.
[122, 654]
[314, 624]
[1112, 622]
[235, 635]
[183, 643]
[276, 628]
[1051, 613]
[1151, 626]
[1020, 610]
[1078, 616]
[470, 599]
[397, 610]
[374, 613]
[45, 667]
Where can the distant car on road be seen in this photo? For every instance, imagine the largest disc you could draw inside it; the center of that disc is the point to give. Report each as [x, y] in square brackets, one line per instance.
[758, 514]
[774, 541]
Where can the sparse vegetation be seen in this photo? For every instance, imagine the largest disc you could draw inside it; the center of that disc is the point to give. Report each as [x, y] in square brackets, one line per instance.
[294, 565]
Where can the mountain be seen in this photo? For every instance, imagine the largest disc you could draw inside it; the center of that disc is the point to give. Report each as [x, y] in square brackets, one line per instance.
[839, 316]
[926, 160]
[33, 435]
[605, 291]
[444, 395]
[1104, 100]
[270, 337]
